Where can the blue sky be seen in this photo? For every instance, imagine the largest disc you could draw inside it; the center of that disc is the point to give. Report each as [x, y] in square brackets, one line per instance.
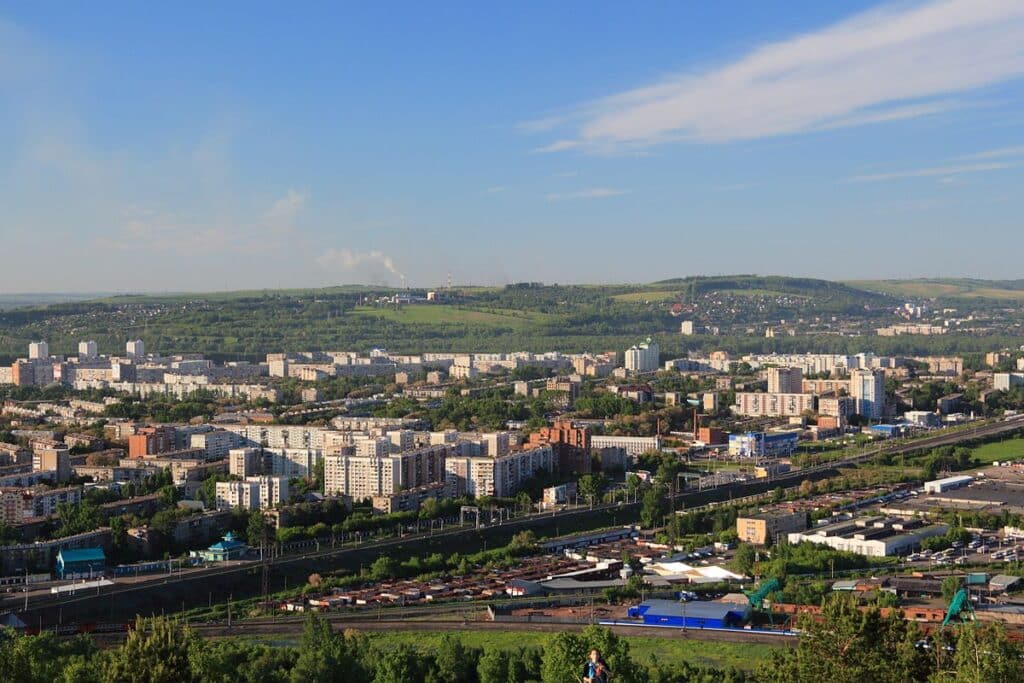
[189, 147]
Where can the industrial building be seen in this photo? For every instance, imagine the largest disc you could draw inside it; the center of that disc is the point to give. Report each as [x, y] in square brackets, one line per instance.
[73, 564]
[763, 444]
[697, 614]
[947, 484]
[871, 536]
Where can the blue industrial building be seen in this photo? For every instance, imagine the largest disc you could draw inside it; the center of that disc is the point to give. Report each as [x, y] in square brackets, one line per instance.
[72, 564]
[698, 614]
[763, 444]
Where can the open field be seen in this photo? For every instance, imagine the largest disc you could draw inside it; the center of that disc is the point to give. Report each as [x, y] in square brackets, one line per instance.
[646, 649]
[441, 313]
[940, 288]
[1010, 449]
[645, 296]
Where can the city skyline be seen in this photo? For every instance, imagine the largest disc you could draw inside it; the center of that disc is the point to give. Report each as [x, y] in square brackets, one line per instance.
[207, 148]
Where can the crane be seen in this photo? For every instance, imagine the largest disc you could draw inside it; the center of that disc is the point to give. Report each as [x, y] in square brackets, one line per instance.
[960, 606]
[757, 597]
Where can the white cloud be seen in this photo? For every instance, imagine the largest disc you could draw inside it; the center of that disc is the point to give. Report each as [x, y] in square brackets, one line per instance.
[947, 171]
[557, 146]
[346, 259]
[1014, 151]
[589, 193]
[496, 189]
[886, 64]
[283, 212]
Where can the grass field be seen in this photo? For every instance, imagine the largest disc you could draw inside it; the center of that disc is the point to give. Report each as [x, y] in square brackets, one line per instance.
[645, 649]
[642, 297]
[434, 314]
[1011, 449]
[966, 289]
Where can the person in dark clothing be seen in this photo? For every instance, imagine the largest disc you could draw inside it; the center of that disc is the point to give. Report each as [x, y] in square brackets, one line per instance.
[595, 670]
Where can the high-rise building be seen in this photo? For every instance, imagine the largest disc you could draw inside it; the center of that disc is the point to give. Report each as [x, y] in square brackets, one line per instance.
[381, 474]
[135, 349]
[867, 387]
[87, 350]
[152, 441]
[643, 357]
[785, 380]
[56, 460]
[39, 350]
[245, 462]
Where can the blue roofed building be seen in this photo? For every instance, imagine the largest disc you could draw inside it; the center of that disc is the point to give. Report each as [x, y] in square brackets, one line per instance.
[698, 614]
[228, 548]
[73, 564]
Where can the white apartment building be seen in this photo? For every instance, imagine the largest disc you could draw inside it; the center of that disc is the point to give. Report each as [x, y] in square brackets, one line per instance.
[501, 476]
[643, 357]
[757, 404]
[87, 350]
[291, 462]
[39, 350]
[381, 473]
[785, 380]
[135, 349]
[279, 436]
[217, 444]
[867, 387]
[1004, 381]
[254, 493]
[245, 462]
[373, 447]
[402, 440]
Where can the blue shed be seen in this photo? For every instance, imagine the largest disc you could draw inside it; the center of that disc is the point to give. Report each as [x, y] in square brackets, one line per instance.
[76, 563]
[696, 614]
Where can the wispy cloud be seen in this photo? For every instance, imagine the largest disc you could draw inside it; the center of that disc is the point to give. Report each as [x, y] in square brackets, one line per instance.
[346, 259]
[589, 193]
[892, 63]
[496, 189]
[999, 153]
[283, 212]
[154, 228]
[947, 171]
[557, 146]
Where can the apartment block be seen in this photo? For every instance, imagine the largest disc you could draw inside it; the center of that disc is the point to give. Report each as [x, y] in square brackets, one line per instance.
[382, 473]
[55, 460]
[245, 462]
[254, 493]
[151, 441]
[769, 528]
[785, 380]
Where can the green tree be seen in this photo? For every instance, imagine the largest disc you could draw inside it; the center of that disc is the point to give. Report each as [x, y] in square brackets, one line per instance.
[591, 486]
[848, 645]
[155, 651]
[328, 657]
[493, 667]
[950, 585]
[983, 654]
[653, 508]
[743, 560]
[453, 662]
[399, 664]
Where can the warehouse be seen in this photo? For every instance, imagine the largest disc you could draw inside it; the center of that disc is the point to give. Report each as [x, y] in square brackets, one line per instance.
[940, 485]
[87, 562]
[871, 536]
[696, 614]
